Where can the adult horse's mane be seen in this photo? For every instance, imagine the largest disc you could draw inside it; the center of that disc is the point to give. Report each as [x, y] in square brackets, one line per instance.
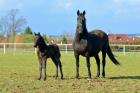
[89, 44]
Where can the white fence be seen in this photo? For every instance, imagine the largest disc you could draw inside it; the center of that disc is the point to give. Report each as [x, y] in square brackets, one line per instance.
[28, 48]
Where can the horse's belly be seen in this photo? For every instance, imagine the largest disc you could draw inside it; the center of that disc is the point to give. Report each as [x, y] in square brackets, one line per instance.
[87, 49]
[91, 52]
[80, 48]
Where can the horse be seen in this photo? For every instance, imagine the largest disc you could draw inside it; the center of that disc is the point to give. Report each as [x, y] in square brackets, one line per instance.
[44, 52]
[89, 44]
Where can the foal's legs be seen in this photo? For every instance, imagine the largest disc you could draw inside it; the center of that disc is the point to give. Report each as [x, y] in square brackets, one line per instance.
[98, 65]
[40, 66]
[88, 66]
[103, 62]
[40, 70]
[44, 67]
[56, 64]
[60, 67]
[77, 65]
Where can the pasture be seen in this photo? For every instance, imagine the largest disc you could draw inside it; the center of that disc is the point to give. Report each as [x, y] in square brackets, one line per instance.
[18, 74]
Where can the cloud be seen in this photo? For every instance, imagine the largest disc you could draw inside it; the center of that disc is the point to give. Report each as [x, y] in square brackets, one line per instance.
[2, 2]
[68, 5]
[20, 4]
[6, 5]
[62, 5]
[127, 8]
[128, 2]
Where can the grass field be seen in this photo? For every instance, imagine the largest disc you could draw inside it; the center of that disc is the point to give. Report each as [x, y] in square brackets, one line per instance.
[18, 74]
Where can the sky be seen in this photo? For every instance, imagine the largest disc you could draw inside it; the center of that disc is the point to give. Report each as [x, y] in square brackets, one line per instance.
[56, 17]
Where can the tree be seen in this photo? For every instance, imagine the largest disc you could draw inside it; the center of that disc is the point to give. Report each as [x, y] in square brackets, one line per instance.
[4, 26]
[28, 30]
[11, 24]
[64, 40]
[28, 38]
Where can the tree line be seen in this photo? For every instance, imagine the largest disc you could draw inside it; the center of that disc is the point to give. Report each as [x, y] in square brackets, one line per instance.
[13, 28]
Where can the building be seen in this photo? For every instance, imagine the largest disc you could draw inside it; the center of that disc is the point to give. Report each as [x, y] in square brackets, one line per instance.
[123, 39]
[117, 37]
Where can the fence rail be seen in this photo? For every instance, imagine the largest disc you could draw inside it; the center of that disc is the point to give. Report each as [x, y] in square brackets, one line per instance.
[28, 47]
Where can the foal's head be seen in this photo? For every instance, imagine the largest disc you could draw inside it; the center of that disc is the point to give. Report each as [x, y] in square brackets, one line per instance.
[38, 40]
[81, 22]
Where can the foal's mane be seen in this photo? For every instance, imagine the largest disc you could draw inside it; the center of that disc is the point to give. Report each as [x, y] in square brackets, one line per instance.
[42, 39]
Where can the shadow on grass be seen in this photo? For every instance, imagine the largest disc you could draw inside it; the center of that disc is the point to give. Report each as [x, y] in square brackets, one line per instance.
[66, 77]
[80, 78]
[126, 77]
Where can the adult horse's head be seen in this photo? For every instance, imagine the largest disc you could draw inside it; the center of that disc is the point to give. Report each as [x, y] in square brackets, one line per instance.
[38, 39]
[81, 22]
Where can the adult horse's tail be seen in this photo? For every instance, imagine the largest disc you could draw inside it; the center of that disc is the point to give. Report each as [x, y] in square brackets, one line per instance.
[111, 56]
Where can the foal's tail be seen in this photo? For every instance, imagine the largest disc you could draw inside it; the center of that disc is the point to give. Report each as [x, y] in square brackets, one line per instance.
[111, 56]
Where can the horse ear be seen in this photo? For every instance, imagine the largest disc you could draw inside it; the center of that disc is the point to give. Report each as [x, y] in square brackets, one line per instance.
[84, 12]
[78, 12]
[38, 33]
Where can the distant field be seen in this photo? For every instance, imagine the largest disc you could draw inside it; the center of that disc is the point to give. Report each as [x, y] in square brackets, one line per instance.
[18, 74]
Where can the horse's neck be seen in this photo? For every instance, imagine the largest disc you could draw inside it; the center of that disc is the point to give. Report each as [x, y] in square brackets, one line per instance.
[78, 37]
[42, 47]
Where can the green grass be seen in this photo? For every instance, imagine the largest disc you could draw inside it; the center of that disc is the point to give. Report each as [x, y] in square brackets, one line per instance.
[18, 74]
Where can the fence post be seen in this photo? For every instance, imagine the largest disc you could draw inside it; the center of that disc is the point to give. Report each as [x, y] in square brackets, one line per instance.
[4, 48]
[14, 47]
[35, 50]
[66, 50]
[124, 49]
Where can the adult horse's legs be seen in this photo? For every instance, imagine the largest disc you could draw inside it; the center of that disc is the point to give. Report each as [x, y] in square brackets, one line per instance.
[103, 62]
[77, 65]
[98, 65]
[88, 66]
[56, 64]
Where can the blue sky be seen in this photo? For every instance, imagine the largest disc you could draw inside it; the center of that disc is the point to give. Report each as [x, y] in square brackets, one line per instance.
[55, 17]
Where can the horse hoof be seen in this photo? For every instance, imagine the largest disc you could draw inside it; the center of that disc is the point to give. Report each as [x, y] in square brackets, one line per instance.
[62, 77]
[44, 79]
[38, 78]
[103, 77]
[56, 77]
[77, 77]
[96, 77]
[88, 78]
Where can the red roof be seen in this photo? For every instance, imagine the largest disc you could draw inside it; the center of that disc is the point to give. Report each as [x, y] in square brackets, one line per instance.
[118, 37]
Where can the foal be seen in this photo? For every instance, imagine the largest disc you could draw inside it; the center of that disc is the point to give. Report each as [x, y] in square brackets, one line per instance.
[44, 52]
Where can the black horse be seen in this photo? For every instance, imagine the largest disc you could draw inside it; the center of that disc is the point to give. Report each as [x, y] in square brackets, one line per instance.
[47, 51]
[89, 44]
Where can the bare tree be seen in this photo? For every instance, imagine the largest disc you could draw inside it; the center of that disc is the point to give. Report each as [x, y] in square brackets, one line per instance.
[11, 24]
[3, 26]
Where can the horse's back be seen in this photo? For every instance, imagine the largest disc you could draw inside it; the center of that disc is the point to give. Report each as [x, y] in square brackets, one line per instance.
[55, 50]
[98, 39]
[99, 33]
